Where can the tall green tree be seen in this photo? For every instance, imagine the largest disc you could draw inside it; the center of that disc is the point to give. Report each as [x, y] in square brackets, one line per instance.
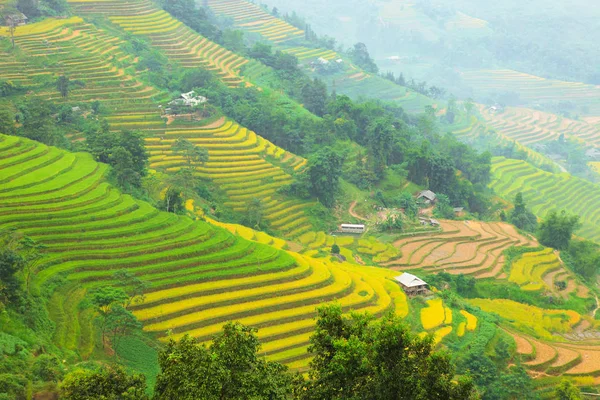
[357, 357]
[521, 216]
[192, 154]
[408, 203]
[360, 56]
[229, 369]
[557, 229]
[62, 85]
[324, 170]
[105, 300]
[106, 383]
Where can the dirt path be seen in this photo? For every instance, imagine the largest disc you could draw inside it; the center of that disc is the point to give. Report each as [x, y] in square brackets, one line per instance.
[355, 215]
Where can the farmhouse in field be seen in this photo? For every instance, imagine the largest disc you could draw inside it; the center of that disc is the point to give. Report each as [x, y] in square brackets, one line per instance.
[352, 228]
[16, 19]
[412, 285]
[427, 196]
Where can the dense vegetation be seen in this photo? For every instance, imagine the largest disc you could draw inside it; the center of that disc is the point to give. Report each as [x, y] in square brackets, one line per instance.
[104, 296]
[355, 357]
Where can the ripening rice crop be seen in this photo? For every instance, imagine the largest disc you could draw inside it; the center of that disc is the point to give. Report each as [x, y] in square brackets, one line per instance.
[471, 320]
[530, 318]
[460, 331]
[433, 315]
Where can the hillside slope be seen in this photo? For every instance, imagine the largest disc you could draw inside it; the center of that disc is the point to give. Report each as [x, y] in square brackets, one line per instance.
[241, 163]
[200, 275]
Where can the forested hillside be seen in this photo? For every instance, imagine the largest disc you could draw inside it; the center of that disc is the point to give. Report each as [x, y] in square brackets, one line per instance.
[177, 180]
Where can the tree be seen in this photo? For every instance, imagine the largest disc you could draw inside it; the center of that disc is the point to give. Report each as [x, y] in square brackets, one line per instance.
[360, 56]
[357, 357]
[230, 368]
[335, 249]
[133, 286]
[104, 299]
[521, 217]
[567, 391]
[324, 170]
[408, 203]
[557, 229]
[62, 85]
[29, 8]
[106, 383]
[443, 209]
[173, 202]
[193, 154]
[314, 96]
[119, 323]
[393, 221]
[7, 122]
[255, 213]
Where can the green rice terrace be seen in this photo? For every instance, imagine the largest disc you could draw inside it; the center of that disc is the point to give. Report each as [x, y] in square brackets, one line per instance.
[201, 275]
[492, 289]
[534, 89]
[91, 230]
[352, 81]
[546, 191]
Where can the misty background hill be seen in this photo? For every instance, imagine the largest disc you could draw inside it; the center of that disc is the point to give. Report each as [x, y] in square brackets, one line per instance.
[438, 40]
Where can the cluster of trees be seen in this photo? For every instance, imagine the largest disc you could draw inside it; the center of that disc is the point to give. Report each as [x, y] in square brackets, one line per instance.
[124, 151]
[35, 9]
[356, 357]
[419, 87]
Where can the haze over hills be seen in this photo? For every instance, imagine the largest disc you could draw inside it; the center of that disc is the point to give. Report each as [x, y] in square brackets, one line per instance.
[170, 167]
[448, 43]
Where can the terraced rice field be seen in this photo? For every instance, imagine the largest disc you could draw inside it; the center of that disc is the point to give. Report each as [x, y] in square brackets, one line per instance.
[561, 358]
[309, 54]
[534, 89]
[461, 247]
[200, 275]
[253, 18]
[181, 44]
[94, 58]
[356, 84]
[243, 164]
[545, 192]
[238, 157]
[473, 130]
[531, 126]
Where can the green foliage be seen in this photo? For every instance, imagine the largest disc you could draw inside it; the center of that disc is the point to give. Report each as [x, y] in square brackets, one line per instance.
[8, 88]
[356, 357]
[324, 171]
[583, 257]
[124, 151]
[38, 121]
[522, 217]
[62, 85]
[567, 391]
[360, 56]
[106, 383]
[173, 201]
[229, 368]
[48, 368]
[557, 229]
[443, 209]
[254, 217]
[335, 249]
[314, 97]
[193, 154]
[393, 221]
[188, 13]
[408, 203]
[13, 387]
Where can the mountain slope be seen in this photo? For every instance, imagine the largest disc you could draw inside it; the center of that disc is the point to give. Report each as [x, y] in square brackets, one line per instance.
[199, 275]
